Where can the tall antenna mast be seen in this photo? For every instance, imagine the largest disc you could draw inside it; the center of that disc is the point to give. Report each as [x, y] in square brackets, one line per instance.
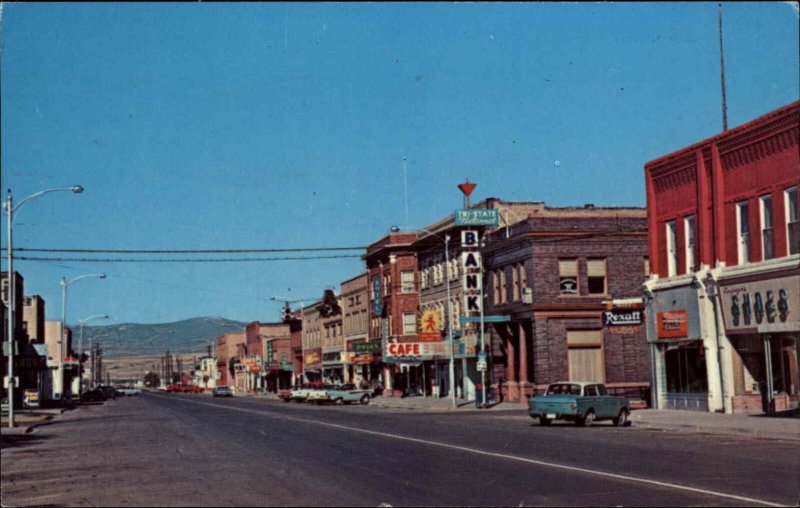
[722, 75]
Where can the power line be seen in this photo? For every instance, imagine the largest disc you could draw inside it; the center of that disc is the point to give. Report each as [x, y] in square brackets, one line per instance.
[207, 260]
[186, 251]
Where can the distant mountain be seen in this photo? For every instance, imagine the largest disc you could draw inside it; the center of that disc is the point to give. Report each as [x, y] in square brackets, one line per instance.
[133, 339]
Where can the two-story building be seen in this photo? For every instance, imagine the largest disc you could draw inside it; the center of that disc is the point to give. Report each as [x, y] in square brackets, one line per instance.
[360, 364]
[557, 277]
[722, 313]
[277, 357]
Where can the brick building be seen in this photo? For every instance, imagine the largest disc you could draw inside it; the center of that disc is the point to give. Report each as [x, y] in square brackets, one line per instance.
[227, 346]
[276, 344]
[312, 343]
[554, 275]
[722, 303]
[360, 365]
[392, 268]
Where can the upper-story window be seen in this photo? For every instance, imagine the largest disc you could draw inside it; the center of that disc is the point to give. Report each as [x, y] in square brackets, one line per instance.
[767, 236]
[792, 223]
[423, 278]
[743, 232]
[596, 271]
[689, 244]
[409, 323]
[523, 276]
[672, 249]
[568, 276]
[647, 266]
[407, 282]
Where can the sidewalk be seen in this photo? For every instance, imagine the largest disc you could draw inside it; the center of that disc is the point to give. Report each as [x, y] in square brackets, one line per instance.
[26, 419]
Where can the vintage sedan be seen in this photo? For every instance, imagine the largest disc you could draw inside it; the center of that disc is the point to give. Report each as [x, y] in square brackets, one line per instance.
[222, 391]
[579, 402]
[301, 393]
[347, 394]
[321, 395]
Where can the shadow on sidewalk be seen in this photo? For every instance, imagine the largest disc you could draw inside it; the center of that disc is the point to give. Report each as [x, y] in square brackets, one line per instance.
[789, 413]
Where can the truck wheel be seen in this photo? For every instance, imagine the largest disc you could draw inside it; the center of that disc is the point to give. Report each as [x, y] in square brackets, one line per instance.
[338, 401]
[365, 399]
[544, 421]
[587, 420]
[622, 419]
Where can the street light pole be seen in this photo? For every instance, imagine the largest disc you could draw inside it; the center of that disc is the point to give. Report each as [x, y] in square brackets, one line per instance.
[64, 284]
[80, 346]
[10, 209]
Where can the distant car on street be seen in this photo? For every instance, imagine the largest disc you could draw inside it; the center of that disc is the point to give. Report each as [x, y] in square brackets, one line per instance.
[222, 391]
[582, 403]
[109, 391]
[129, 391]
[94, 395]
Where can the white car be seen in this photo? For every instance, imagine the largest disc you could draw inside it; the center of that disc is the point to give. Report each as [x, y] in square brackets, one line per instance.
[301, 393]
[321, 395]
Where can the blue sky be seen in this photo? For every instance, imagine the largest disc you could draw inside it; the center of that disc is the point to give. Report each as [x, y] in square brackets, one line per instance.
[212, 126]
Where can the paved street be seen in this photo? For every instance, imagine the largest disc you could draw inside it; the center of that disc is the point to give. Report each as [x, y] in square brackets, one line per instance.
[184, 450]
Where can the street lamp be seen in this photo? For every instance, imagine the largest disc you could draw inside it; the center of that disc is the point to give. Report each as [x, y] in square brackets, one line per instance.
[64, 284]
[452, 371]
[10, 209]
[80, 346]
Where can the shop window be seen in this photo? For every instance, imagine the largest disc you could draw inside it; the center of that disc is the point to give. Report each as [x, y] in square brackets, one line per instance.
[686, 370]
[585, 355]
[568, 276]
[409, 323]
[407, 282]
[767, 237]
[672, 249]
[689, 243]
[596, 270]
[743, 231]
[792, 223]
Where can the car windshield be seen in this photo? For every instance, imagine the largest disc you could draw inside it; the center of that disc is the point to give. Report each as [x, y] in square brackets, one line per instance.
[348, 387]
[564, 389]
[331, 387]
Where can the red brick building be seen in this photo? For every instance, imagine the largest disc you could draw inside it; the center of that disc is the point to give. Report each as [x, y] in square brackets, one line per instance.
[555, 275]
[724, 241]
[392, 270]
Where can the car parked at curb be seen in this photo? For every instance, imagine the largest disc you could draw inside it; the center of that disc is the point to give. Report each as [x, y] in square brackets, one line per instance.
[347, 394]
[301, 393]
[94, 395]
[222, 391]
[321, 395]
[580, 402]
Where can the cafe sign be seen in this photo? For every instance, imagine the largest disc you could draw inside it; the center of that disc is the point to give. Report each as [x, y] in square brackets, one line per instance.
[416, 350]
[764, 306]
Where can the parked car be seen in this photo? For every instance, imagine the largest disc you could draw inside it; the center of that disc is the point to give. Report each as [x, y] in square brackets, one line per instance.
[94, 395]
[129, 391]
[109, 391]
[30, 399]
[347, 394]
[322, 395]
[222, 391]
[301, 393]
[582, 403]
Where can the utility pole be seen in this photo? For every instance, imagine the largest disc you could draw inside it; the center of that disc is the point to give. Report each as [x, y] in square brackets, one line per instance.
[722, 75]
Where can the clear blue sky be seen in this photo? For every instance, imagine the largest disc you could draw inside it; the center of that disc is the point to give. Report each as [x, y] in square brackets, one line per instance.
[196, 126]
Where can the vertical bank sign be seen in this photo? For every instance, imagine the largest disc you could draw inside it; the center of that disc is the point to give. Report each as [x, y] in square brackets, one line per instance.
[377, 305]
[471, 264]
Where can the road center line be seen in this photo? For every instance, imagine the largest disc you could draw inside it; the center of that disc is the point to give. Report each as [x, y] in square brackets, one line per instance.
[491, 454]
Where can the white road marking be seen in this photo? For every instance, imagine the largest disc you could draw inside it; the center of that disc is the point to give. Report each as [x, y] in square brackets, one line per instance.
[493, 454]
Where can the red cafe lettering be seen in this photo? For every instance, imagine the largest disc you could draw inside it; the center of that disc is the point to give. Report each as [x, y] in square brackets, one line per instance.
[407, 349]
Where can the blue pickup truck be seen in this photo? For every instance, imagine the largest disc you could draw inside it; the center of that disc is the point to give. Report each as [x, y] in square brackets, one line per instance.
[582, 403]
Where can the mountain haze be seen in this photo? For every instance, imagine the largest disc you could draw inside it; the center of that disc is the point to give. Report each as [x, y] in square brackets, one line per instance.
[133, 339]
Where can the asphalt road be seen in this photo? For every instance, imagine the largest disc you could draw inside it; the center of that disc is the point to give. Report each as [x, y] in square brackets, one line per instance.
[190, 450]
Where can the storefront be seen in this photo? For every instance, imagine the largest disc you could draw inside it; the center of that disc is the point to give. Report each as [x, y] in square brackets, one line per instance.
[760, 314]
[680, 352]
[362, 362]
[312, 365]
[332, 366]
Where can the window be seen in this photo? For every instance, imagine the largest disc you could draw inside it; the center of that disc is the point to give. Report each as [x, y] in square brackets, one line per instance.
[409, 323]
[503, 294]
[568, 276]
[672, 249]
[495, 287]
[767, 237]
[407, 282]
[689, 242]
[523, 275]
[423, 278]
[792, 224]
[585, 355]
[647, 266]
[686, 370]
[596, 270]
[743, 229]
